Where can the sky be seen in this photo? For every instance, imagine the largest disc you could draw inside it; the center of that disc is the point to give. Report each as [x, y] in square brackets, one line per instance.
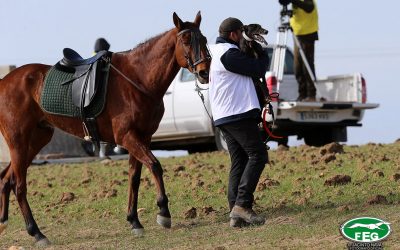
[355, 36]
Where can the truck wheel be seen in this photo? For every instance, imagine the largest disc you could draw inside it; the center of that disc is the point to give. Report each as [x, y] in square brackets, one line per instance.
[220, 140]
[319, 137]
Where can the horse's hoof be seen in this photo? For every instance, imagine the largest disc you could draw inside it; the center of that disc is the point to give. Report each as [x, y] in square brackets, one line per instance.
[43, 243]
[164, 221]
[138, 232]
[3, 226]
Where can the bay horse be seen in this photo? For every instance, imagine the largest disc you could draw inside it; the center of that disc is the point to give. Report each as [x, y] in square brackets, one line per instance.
[138, 80]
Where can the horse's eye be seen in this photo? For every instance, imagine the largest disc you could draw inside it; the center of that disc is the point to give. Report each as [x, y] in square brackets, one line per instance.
[186, 39]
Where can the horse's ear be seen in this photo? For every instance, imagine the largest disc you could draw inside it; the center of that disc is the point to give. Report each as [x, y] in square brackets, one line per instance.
[197, 20]
[177, 21]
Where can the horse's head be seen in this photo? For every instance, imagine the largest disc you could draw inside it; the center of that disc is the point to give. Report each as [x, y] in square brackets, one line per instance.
[191, 50]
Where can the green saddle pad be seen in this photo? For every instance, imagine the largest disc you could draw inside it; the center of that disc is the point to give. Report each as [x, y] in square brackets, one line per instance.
[57, 98]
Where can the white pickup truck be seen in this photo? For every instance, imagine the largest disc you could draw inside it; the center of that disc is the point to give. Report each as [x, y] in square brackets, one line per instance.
[187, 125]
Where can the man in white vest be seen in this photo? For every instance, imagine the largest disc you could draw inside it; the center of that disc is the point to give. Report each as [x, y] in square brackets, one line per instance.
[236, 111]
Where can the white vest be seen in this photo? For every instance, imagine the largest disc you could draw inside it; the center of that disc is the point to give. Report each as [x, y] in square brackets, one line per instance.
[229, 93]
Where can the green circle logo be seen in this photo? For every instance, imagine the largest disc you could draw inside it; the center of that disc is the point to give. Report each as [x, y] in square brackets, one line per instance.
[365, 229]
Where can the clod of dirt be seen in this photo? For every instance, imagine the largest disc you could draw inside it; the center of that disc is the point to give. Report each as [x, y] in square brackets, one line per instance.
[106, 214]
[197, 183]
[67, 197]
[300, 179]
[146, 182]
[379, 173]
[266, 182]
[296, 193]
[383, 158]
[111, 193]
[191, 213]
[86, 181]
[116, 183]
[207, 210]
[328, 158]
[36, 193]
[378, 199]
[332, 148]
[395, 177]
[343, 208]
[106, 161]
[301, 201]
[220, 248]
[338, 180]
[179, 169]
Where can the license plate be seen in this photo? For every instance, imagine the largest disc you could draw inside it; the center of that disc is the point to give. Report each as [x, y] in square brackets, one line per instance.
[313, 116]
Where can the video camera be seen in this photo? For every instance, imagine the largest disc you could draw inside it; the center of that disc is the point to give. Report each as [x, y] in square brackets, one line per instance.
[285, 11]
[285, 2]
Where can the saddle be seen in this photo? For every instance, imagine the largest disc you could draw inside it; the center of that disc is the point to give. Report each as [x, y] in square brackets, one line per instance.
[84, 81]
[88, 75]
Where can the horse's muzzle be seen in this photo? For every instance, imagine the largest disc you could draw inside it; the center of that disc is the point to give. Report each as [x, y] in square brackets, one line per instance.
[202, 76]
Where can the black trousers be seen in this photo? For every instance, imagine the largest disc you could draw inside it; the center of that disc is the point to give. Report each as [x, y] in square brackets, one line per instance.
[248, 158]
[306, 85]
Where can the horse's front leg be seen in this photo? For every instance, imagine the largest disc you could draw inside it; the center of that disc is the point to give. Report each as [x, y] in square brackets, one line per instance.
[164, 216]
[135, 171]
[141, 150]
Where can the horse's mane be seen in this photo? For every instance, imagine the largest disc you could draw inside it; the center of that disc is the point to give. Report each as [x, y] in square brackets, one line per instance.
[142, 47]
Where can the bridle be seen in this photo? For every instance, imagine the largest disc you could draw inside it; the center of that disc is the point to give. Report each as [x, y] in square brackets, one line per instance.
[197, 43]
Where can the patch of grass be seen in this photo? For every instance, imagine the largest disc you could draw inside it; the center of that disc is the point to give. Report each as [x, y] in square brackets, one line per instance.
[302, 212]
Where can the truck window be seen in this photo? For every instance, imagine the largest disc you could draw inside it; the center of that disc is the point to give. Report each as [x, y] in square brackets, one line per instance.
[289, 67]
[187, 76]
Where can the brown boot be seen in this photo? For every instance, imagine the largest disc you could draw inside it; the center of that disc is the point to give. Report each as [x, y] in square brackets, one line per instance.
[245, 214]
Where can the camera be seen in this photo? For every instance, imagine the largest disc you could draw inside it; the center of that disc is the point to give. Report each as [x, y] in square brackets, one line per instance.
[285, 11]
[285, 2]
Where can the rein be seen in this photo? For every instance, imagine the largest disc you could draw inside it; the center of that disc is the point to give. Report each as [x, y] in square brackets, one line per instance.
[196, 36]
[137, 86]
[268, 108]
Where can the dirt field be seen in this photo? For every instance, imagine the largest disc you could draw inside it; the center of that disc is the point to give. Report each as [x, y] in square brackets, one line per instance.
[306, 193]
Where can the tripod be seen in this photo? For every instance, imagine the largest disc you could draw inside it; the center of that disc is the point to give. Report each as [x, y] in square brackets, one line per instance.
[281, 46]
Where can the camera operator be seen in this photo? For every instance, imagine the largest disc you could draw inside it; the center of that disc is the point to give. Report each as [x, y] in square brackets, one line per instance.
[236, 112]
[304, 22]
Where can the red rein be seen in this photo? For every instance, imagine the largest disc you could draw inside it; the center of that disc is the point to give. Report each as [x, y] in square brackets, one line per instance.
[266, 127]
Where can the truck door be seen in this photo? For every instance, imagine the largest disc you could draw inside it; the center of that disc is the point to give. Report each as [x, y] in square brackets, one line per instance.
[190, 115]
[167, 124]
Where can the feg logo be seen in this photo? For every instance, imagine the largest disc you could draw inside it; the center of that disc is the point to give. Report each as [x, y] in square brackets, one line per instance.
[365, 229]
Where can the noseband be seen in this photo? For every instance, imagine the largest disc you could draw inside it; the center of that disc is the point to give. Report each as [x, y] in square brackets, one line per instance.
[196, 44]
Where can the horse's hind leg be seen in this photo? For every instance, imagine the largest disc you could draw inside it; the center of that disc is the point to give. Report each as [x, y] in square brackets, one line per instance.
[5, 189]
[135, 171]
[30, 142]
